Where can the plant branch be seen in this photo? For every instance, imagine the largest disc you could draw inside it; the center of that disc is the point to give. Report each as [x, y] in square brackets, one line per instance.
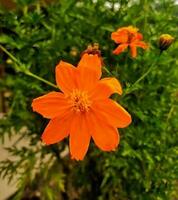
[26, 71]
[129, 90]
[9, 54]
[105, 68]
[40, 79]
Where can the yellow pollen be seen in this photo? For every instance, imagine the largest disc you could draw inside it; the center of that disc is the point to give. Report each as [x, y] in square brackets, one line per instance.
[79, 100]
[132, 29]
[166, 37]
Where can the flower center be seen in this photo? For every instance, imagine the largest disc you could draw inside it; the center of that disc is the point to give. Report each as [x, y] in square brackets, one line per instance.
[79, 100]
[130, 36]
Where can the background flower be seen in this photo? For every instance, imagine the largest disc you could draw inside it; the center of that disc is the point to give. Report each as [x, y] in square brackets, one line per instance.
[128, 37]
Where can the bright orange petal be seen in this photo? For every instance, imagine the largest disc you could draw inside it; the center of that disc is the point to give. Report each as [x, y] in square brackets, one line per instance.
[120, 49]
[113, 84]
[112, 113]
[133, 49]
[120, 37]
[106, 87]
[56, 130]
[66, 76]
[137, 37]
[105, 136]
[79, 137]
[53, 104]
[87, 78]
[141, 44]
[91, 61]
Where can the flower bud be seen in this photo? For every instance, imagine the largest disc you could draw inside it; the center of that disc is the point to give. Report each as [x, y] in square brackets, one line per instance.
[73, 52]
[96, 46]
[9, 61]
[165, 41]
[93, 49]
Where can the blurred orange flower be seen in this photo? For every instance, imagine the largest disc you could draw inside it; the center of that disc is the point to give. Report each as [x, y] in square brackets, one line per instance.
[128, 37]
[83, 109]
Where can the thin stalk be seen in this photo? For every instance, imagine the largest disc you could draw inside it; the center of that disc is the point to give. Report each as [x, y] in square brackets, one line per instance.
[9, 54]
[38, 7]
[145, 8]
[25, 10]
[40, 79]
[105, 68]
[144, 75]
[27, 72]
[129, 90]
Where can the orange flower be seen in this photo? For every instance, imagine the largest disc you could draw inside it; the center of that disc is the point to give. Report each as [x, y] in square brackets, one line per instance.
[83, 109]
[128, 37]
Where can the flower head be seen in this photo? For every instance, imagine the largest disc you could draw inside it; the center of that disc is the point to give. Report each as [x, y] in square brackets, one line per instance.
[165, 41]
[93, 50]
[83, 109]
[128, 37]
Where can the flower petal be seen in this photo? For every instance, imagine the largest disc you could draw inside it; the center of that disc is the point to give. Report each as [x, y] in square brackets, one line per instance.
[79, 137]
[141, 44]
[53, 104]
[120, 49]
[56, 130]
[133, 49]
[86, 79]
[66, 76]
[137, 37]
[105, 136]
[112, 113]
[120, 36]
[106, 87]
[92, 62]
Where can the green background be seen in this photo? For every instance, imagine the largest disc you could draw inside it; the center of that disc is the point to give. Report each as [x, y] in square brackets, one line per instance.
[39, 35]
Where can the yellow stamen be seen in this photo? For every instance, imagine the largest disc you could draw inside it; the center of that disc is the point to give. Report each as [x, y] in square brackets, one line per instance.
[79, 100]
[132, 29]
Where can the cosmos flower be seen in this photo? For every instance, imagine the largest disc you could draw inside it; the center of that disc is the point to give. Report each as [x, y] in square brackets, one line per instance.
[128, 37]
[83, 110]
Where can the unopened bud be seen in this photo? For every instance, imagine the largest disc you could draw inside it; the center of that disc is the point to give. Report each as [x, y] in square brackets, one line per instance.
[93, 50]
[73, 52]
[165, 41]
[96, 46]
[89, 48]
[9, 61]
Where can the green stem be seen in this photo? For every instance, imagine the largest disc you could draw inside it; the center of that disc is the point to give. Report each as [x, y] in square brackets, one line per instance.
[9, 54]
[146, 9]
[27, 72]
[105, 68]
[25, 10]
[170, 113]
[129, 90]
[40, 79]
[38, 7]
[144, 75]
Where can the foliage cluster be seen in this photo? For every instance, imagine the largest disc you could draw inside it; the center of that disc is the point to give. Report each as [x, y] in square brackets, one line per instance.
[145, 166]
